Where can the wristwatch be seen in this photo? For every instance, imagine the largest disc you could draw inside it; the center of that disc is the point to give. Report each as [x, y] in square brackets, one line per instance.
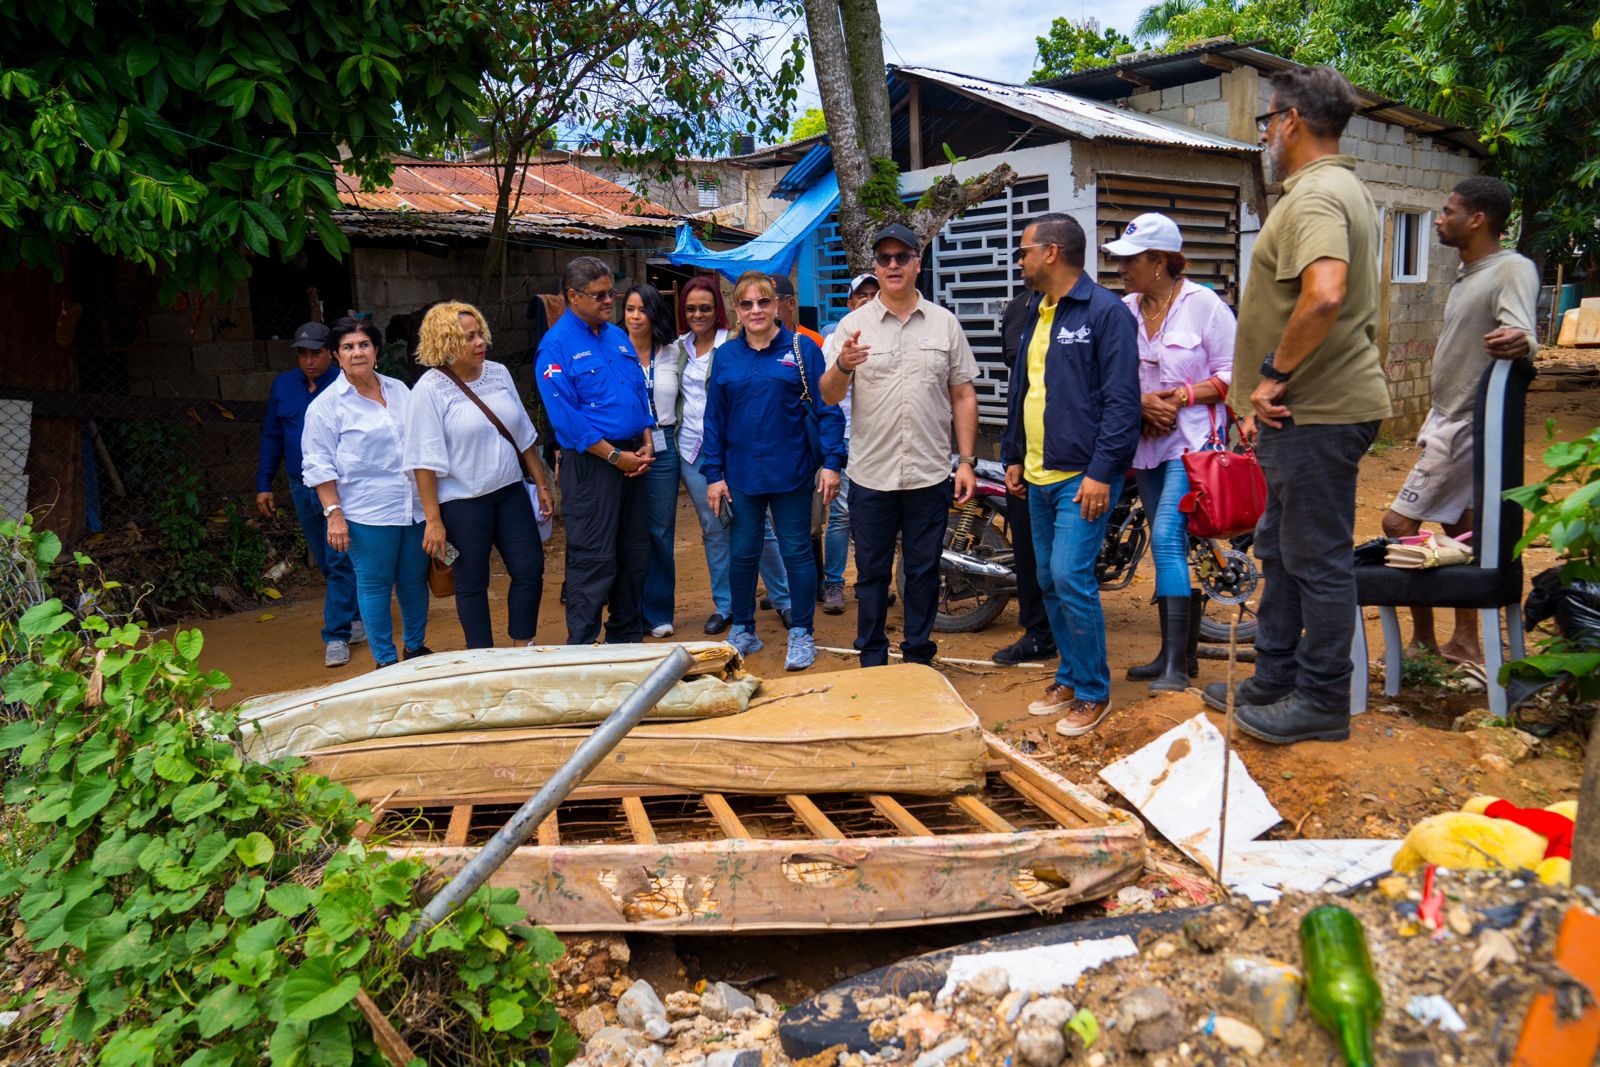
[1269, 371]
[614, 457]
[971, 461]
[330, 509]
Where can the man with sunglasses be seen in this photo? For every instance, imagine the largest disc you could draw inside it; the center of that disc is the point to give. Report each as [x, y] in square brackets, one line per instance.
[908, 370]
[1308, 377]
[594, 391]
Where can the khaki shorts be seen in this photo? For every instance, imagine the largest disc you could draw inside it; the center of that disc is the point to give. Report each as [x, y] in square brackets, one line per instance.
[1439, 487]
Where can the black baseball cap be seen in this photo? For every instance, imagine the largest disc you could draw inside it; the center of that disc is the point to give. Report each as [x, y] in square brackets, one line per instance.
[311, 335]
[899, 232]
[783, 285]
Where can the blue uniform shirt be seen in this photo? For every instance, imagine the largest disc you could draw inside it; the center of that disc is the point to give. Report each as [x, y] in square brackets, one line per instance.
[755, 429]
[592, 384]
[286, 417]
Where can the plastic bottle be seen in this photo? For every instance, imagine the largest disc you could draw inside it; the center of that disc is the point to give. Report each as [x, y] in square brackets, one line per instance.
[1341, 991]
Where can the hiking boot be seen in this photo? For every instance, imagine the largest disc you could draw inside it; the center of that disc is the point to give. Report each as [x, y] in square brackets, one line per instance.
[744, 640]
[420, 650]
[833, 598]
[1249, 691]
[1056, 696]
[336, 654]
[1083, 716]
[1026, 649]
[1292, 719]
[358, 632]
[802, 650]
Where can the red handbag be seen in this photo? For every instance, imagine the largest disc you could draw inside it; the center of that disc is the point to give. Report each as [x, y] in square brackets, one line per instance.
[1227, 491]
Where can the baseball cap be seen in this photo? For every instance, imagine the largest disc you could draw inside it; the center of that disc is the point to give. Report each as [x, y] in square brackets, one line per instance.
[783, 285]
[311, 335]
[862, 279]
[899, 232]
[1150, 232]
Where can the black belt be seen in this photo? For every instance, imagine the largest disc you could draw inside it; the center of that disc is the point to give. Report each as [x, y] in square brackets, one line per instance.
[629, 444]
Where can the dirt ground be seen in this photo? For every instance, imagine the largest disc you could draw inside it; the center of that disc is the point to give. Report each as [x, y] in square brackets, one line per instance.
[1402, 761]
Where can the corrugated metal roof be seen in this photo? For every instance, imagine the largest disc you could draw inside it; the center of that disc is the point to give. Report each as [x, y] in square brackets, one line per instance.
[1076, 116]
[816, 162]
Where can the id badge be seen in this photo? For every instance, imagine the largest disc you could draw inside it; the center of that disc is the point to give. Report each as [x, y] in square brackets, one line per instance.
[658, 440]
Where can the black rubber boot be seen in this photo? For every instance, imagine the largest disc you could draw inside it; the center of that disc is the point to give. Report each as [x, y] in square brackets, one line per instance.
[1166, 672]
[1146, 672]
[1197, 604]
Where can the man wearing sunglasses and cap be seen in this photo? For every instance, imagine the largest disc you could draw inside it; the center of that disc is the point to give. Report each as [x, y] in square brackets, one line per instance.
[907, 370]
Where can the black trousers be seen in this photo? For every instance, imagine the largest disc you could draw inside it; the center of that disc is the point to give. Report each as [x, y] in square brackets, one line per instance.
[504, 520]
[1030, 598]
[607, 517]
[917, 518]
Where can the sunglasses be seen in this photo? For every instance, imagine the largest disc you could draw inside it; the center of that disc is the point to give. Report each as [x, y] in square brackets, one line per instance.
[750, 305]
[899, 259]
[601, 297]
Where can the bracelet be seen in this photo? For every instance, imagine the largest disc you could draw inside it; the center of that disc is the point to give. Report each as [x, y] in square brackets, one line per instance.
[1188, 390]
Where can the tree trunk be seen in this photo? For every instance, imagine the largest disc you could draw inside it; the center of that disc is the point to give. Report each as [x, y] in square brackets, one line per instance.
[864, 32]
[836, 85]
[1586, 835]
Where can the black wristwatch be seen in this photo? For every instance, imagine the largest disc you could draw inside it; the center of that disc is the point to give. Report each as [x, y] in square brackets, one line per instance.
[1273, 373]
[615, 457]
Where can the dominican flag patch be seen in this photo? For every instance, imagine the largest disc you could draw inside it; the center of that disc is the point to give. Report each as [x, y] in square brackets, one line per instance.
[552, 370]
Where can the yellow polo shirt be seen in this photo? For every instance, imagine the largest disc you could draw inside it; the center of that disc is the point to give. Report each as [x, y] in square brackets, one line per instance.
[1033, 468]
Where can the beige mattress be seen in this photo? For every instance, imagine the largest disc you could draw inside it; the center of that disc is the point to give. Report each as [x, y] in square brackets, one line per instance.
[900, 729]
[491, 688]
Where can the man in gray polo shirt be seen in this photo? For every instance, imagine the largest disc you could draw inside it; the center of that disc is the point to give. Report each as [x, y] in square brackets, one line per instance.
[1489, 316]
[908, 370]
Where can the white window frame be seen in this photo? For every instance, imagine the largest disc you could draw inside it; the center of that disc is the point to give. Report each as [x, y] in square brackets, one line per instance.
[1398, 272]
[708, 191]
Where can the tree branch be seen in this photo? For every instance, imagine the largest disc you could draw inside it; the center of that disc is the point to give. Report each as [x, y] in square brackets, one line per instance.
[948, 197]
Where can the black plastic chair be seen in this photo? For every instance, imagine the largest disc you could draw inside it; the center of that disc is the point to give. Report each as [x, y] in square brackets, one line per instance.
[1492, 582]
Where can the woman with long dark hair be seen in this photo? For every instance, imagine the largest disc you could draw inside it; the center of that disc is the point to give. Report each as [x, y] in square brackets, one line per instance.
[705, 321]
[647, 317]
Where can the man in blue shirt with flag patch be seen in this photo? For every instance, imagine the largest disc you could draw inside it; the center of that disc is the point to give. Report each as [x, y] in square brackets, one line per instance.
[594, 392]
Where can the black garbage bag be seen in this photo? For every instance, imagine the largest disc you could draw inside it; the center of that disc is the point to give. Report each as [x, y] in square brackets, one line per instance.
[1575, 607]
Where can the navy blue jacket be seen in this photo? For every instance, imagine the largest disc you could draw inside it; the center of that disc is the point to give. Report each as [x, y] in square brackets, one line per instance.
[286, 417]
[755, 434]
[1091, 376]
[592, 384]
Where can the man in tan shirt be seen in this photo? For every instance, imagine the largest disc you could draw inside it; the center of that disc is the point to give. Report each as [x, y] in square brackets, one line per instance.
[908, 370]
[1307, 372]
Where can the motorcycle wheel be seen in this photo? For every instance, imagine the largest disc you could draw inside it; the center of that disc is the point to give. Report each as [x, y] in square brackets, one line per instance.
[975, 610]
[1214, 620]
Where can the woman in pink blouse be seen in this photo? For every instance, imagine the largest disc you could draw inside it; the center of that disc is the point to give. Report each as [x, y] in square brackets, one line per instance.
[1185, 364]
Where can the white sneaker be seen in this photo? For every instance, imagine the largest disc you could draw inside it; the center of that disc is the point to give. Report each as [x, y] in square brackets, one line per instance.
[664, 630]
[358, 632]
[337, 654]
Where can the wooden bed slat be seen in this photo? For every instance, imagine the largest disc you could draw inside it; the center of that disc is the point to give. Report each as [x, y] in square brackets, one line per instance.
[460, 819]
[549, 832]
[1029, 775]
[731, 826]
[895, 812]
[1042, 800]
[638, 821]
[583, 792]
[985, 816]
[812, 816]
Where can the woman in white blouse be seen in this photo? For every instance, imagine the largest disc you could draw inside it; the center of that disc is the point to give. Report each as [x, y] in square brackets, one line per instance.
[647, 317]
[352, 443]
[701, 309]
[471, 446]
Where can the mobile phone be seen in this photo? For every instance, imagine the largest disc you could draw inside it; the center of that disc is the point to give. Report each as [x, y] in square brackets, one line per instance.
[450, 554]
[725, 513]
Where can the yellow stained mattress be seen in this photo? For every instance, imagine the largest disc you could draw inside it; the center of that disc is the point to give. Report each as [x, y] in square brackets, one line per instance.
[899, 729]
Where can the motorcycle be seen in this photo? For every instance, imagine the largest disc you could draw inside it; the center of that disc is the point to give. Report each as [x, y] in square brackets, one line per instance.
[977, 576]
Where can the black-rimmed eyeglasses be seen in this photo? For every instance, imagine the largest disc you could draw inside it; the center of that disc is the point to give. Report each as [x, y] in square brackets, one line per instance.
[1263, 121]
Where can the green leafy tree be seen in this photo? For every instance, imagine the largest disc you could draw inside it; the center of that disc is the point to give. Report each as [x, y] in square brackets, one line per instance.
[1076, 44]
[1155, 21]
[188, 135]
[808, 124]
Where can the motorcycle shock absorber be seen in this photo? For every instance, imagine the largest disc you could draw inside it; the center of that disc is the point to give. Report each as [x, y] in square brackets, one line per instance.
[966, 527]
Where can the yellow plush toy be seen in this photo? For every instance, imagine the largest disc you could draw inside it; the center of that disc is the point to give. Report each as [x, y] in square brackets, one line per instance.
[1490, 832]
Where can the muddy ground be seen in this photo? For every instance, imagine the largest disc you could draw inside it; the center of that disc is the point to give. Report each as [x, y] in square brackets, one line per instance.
[1402, 761]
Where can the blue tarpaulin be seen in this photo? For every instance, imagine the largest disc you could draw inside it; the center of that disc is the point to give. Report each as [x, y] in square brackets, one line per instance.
[774, 251]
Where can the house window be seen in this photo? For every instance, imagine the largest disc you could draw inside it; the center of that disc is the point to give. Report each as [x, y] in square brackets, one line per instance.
[708, 190]
[1411, 246]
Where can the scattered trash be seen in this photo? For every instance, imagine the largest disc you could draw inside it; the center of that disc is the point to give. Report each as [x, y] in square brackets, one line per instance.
[1436, 1010]
[1041, 969]
[943, 1053]
[1262, 869]
[1341, 991]
[1488, 832]
[1136, 898]
[1085, 1025]
[1268, 989]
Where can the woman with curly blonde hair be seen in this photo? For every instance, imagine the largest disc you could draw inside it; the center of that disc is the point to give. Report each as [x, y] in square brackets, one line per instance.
[470, 443]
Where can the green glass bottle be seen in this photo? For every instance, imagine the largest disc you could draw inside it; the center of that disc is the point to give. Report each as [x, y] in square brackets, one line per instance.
[1341, 991]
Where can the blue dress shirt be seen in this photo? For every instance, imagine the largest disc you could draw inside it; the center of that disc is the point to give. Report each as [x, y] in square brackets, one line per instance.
[284, 423]
[592, 384]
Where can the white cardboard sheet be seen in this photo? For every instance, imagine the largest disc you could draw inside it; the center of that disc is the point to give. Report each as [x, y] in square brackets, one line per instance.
[1262, 869]
[1042, 968]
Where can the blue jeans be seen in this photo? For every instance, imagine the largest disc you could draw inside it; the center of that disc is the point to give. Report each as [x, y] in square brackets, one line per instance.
[791, 522]
[836, 538]
[1066, 546]
[713, 532]
[390, 558]
[1162, 488]
[660, 579]
[774, 571]
[339, 602]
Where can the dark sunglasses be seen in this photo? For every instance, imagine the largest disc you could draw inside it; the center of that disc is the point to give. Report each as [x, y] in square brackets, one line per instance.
[899, 259]
[601, 297]
[750, 305]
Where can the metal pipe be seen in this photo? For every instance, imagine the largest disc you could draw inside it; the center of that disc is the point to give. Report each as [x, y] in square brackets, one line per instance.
[973, 565]
[538, 807]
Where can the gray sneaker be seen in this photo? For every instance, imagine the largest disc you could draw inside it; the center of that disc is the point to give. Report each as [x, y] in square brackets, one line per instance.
[358, 632]
[833, 599]
[337, 654]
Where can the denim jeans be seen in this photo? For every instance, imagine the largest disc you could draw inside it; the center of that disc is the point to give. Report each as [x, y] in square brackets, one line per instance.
[1308, 599]
[836, 538]
[916, 519]
[1161, 489]
[791, 522]
[660, 578]
[502, 519]
[339, 601]
[1066, 545]
[774, 571]
[713, 532]
[390, 559]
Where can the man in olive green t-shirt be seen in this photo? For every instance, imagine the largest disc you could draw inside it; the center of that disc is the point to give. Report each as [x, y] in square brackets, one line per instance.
[1307, 374]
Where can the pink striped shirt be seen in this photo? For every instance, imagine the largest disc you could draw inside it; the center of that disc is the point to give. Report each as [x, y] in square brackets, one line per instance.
[1193, 344]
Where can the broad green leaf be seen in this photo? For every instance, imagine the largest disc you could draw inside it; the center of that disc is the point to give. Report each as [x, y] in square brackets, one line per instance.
[290, 899]
[330, 1044]
[45, 618]
[119, 854]
[89, 795]
[314, 989]
[255, 849]
[22, 731]
[547, 947]
[112, 944]
[261, 938]
[142, 57]
[226, 1008]
[211, 852]
[196, 800]
[504, 1015]
[189, 644]
[172, 766]
[243, 897]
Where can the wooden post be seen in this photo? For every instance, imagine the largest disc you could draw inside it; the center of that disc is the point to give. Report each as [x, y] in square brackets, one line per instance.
[915, 117]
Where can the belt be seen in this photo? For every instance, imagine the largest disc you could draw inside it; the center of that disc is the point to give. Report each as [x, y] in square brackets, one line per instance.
[629, 444]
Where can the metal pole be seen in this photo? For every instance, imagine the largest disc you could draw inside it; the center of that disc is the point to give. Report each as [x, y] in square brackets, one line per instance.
[1227, 751]
[538, 807]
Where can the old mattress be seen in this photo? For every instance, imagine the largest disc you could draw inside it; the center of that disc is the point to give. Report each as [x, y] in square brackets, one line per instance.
[891, 729]
[491, 687]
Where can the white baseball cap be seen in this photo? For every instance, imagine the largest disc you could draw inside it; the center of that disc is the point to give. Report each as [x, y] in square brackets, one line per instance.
[1150, 232]
[862, 279]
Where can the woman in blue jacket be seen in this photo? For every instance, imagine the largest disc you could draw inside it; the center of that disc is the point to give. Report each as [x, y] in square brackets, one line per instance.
[767, 432]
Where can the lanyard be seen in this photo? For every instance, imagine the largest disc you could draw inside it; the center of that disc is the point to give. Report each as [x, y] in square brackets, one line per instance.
[650, 384]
